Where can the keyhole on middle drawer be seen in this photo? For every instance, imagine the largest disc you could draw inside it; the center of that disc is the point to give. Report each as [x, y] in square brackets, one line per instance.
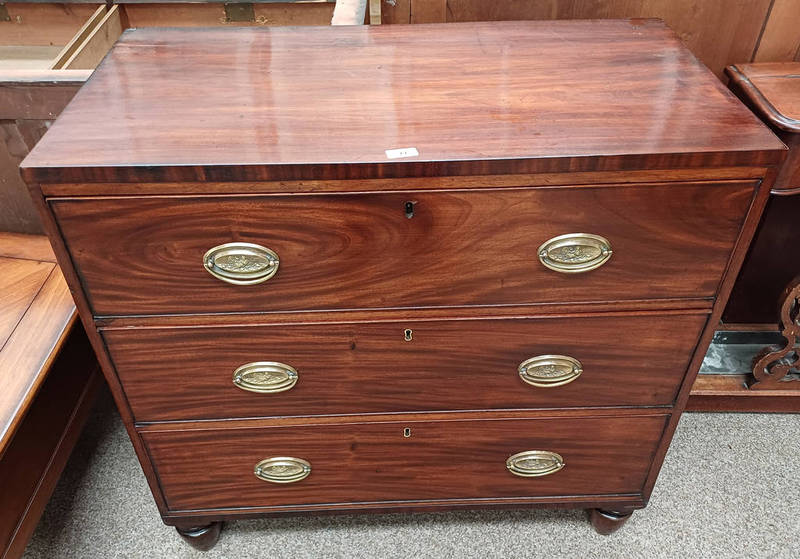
[408, 334]
[407, 432]
[409, 210]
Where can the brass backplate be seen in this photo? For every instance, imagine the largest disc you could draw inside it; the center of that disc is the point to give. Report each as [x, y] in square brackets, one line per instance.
[237, 11]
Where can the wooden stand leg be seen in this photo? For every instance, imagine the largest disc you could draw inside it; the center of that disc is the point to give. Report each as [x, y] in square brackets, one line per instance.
[607, 522]
[201, 537]
[776, 367]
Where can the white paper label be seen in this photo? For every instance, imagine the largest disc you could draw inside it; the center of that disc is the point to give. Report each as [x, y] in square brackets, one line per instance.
[401, 152]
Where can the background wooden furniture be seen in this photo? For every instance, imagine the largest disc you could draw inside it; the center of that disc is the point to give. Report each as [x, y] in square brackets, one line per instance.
[754, 317]
[416, 243]
[48, 378]
[718, 32]
[48, 50]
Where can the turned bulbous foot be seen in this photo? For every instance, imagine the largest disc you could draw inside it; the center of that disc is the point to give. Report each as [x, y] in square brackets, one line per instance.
[607, 522]
[201, 537]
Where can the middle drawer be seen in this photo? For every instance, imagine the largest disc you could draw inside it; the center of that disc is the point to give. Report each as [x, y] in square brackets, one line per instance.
[369, 367]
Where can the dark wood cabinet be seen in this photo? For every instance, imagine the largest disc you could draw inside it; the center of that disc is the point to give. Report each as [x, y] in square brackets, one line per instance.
[751, 364]
[773, 92]
[494, 290]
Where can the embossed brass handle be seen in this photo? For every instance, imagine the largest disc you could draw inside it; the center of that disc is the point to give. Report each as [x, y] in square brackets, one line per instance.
[265, 377]
[282, 469]
[241, 263]
[547, 371]
[534, 463]
[575, 253]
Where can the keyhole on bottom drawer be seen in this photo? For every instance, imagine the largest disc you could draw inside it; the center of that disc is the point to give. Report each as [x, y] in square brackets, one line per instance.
[407, 432]
[409, 210]
[408, 334]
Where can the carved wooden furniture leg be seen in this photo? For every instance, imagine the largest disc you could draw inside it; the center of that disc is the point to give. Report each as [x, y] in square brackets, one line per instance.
[607, 522]
[201, 537]
[774, 365]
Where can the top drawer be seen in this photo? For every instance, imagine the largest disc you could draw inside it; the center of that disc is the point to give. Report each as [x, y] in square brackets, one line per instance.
[139, 255]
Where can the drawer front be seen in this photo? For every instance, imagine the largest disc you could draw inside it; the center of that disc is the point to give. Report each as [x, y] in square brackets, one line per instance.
[187, 373]
[372, 462]
[146, 255]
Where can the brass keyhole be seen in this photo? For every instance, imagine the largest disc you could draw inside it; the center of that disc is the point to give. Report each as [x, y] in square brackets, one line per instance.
[408, 334]
[407, 432]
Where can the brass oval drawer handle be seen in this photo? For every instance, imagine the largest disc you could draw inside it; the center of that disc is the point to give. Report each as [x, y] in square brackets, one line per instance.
[282, 469]
[534, 463]
[241, 263]
[575, 253]
[547, 371]
[265, 377]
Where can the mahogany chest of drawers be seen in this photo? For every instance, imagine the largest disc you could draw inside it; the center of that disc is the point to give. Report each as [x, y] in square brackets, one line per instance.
[412, 267]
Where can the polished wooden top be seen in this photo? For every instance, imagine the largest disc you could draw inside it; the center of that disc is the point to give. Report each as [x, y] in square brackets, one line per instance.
[327, 102]
[773, 88]
[36, 313]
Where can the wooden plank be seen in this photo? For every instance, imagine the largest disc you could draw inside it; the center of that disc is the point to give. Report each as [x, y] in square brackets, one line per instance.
[20, 281]
[396, 11]
[723, 393]
[92, 50]
[375, 17]
[780, 40]
[43, 23]
[87, 28]
[25, 247]
[29, 101]
[26, 57]
[430, 11]
[38, 95]
[716, 32]
[349, 12]
[213, 14]
[301, 13]
[32, 464]
[30, 350]
[16, 209]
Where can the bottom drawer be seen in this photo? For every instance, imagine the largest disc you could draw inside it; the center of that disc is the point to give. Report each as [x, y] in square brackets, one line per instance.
[403, 461]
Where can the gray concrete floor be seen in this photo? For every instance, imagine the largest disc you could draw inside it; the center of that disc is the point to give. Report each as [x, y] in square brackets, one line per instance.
[730, 487]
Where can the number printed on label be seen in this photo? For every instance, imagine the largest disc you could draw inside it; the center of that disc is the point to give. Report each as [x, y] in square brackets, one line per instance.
[401, 152]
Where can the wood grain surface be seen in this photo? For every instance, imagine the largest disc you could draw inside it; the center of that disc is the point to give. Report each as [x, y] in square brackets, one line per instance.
[756, 296]
[718, 32]
[231, 104]
[772, 89]
[780, 39]
[186, 373]
[20, 281]
[44, 23]
[36, 313]
[361, 251]
[25, 247]
[31, 465]
[29, 101]
[730, 393]
[456, 182]
[368, 462]
[31, 348]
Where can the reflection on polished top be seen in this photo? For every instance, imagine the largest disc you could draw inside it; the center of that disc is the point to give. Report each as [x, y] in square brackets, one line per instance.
[281, 99]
